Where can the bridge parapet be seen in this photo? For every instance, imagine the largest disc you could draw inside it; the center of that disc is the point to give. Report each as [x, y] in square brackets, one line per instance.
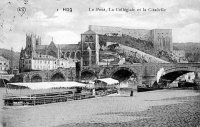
[46, 75]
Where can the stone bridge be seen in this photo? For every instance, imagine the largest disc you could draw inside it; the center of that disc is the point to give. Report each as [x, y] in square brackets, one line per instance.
[46, 76]
[140, 73]
[143, 73]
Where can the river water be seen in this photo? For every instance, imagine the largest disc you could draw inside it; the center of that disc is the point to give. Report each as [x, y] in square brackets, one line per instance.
[82, 110]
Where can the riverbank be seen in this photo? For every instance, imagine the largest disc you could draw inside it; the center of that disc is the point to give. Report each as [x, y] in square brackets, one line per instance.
[146, 108]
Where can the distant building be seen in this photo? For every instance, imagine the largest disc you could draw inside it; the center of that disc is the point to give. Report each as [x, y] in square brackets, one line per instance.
[36, 56]
[4, 65]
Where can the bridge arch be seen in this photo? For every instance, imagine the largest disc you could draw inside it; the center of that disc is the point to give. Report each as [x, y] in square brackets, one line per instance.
[88, 75]
[171, 74]
[188, 69]
[36, 78]
[124, 74]
[57, 76]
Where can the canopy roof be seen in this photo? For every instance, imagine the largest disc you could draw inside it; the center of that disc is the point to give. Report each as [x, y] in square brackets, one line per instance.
[48, 85]
[109, 81]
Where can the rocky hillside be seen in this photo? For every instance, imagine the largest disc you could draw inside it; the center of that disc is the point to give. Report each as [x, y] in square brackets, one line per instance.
[7, 54]
[142, 45]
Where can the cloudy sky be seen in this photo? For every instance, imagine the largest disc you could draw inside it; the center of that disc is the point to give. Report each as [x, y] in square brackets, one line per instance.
[47, 19]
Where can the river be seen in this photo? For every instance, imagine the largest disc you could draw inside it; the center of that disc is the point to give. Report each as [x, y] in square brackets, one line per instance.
[85, 110]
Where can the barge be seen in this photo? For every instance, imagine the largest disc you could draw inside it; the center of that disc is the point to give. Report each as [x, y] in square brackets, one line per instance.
[20, 94]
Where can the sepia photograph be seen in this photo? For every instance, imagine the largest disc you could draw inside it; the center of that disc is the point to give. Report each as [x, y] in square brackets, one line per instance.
[100, 63]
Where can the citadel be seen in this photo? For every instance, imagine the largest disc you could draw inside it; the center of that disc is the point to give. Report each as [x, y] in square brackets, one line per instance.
[90, 51]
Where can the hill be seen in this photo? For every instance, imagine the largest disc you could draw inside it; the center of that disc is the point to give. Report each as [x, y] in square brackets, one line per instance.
[188, 47]
[7, 54]
[142, 45]
[192, 50]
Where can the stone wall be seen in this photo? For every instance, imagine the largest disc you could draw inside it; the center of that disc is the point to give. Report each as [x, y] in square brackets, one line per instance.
[161, 38]
[142, 34]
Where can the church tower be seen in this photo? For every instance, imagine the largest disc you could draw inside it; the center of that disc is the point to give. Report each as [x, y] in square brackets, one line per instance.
[31, 43]
[89, 48]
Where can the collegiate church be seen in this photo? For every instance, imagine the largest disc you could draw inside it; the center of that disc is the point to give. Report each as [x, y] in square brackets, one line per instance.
[36, 56]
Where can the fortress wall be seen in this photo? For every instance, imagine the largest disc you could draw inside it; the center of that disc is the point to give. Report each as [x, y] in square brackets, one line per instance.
[142, 34]
[162, 39]
[105, 29]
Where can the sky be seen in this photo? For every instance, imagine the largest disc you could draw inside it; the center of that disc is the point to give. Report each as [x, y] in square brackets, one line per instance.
[47, 19]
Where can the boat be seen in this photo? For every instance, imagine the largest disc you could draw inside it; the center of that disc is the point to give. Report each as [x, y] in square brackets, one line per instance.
[106, 86]
[184, 83]
[31, 94]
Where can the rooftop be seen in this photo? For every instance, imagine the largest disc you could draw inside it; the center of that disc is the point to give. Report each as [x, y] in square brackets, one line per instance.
[3, 59]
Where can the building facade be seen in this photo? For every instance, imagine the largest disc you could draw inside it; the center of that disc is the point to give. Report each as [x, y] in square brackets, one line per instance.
[4, 65]
[36, 56]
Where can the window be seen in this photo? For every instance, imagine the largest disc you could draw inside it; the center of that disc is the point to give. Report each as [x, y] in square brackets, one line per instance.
[86, 38]
[91, 38]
